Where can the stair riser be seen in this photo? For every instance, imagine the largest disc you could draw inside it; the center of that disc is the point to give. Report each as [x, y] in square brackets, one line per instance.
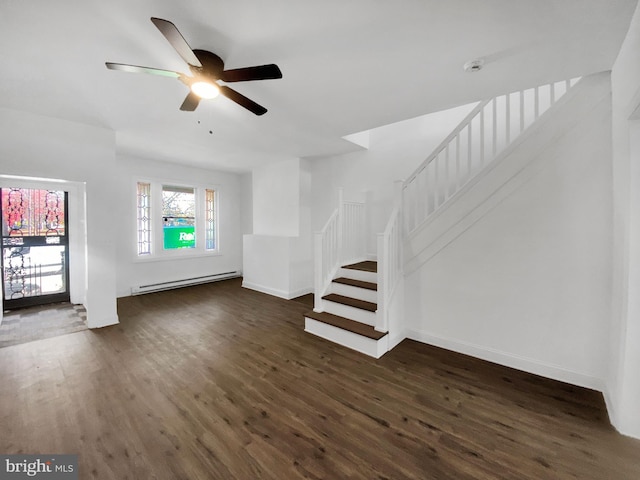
[358, 275]
[354, 292]
[368, 346]
[352, 313]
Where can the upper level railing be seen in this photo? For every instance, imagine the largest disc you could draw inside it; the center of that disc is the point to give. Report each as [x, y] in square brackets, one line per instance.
[488, 129]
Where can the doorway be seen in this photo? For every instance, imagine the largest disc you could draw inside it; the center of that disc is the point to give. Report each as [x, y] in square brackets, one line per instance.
[35, 247]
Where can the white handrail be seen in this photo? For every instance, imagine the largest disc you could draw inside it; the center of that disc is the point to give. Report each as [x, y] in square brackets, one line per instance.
[472, 114]
[341, 241]
[327, 257]
[485, 132]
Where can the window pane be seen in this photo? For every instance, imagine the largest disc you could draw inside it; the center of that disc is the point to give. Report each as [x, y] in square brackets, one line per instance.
[32, 213]
[178, 217]
[144, 218]
[210, 219]
[33, 271]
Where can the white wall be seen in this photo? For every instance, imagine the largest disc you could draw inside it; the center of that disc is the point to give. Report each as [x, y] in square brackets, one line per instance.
[246, 186]
[527, 283]
[132, 270]
[276, 199]
[43, 147]
[623, 382]
[394, 152]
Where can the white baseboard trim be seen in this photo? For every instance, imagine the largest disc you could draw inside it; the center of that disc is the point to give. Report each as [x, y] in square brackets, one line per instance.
[300, 292]
[611, 411]
[395, 340]
[100, 323]
[615, 421]
[529, 365]
[275, 292]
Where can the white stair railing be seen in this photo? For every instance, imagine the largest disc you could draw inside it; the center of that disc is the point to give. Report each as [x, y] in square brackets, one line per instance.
[327, 257]
[341, 241]
[389, 267]
[353, 247]
[488, 129]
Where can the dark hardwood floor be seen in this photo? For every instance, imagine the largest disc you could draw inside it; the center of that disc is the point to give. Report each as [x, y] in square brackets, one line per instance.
[219, 382]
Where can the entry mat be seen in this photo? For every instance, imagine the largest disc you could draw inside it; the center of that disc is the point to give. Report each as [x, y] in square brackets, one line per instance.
[45, 321]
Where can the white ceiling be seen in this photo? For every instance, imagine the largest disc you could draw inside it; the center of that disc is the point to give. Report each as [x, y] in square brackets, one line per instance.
[348, 65]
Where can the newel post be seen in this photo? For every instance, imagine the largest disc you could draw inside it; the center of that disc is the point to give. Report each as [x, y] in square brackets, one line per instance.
[318, 272]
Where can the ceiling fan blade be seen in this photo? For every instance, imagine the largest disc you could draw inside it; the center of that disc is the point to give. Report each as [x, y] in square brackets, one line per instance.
[261, 72]
[190, 103]
[177, 41]
[242, 100]
[136, 69]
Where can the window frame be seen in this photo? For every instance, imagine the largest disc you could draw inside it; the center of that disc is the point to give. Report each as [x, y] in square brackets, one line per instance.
[176, 189]
[157, 251]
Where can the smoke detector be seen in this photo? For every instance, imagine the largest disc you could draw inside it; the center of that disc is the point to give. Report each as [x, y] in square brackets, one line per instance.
[473, 65]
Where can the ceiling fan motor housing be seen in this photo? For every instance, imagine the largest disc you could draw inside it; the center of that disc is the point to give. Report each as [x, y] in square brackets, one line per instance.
[212, 65]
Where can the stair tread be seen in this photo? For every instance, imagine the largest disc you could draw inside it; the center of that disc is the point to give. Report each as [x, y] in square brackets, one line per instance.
[346, 324]
[356, 283]
[367, 266]
[352, 302]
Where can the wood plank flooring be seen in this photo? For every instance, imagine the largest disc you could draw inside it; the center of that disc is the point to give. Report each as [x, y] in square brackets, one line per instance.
[219, 382]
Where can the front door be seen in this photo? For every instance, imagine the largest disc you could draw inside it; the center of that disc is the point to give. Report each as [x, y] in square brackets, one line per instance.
[35, 247]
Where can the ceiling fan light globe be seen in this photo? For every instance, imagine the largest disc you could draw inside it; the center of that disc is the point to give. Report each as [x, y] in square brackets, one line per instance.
[206, 90]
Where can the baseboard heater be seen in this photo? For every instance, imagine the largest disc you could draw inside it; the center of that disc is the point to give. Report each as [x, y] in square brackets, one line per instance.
[157, 287]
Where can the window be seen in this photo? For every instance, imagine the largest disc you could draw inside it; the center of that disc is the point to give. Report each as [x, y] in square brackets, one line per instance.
[144, 218]
[175, 220]
[178, 217]
[210, 219]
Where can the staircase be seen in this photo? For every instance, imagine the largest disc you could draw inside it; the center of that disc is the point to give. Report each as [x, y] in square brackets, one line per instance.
[361, 306]
[348, 315]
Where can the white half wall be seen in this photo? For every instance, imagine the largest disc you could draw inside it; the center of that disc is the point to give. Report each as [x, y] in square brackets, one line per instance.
[527, 283]
[276, 265]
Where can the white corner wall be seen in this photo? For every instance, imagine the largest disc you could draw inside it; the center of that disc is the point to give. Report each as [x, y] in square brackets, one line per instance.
[278, 257]
[134, 271]
[623, 382]
[48, 148]
[527, 284]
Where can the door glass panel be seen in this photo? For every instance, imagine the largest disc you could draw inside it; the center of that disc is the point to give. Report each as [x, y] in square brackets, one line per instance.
[32, 213]
[34, 247]
[33, 271]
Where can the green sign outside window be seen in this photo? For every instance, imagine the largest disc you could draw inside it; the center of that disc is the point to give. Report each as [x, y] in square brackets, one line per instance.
[179, 237]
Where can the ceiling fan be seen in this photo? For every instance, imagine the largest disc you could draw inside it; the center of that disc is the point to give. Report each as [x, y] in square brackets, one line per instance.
[207, 68]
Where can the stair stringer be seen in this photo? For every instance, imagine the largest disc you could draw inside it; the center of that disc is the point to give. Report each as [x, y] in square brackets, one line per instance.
[511, 169]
